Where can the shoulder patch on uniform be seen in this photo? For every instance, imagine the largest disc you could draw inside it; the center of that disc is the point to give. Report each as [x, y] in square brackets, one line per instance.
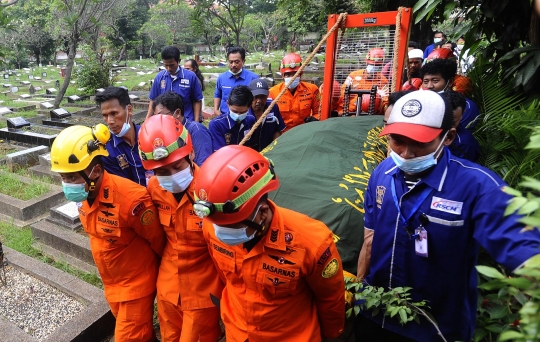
[147, 217]
[274, 235]
[324, 257]
[106, 193]
[331, 269]
[138, 209]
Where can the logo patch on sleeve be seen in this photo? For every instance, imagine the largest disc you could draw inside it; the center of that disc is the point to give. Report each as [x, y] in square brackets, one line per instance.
[447, 206]
[138, 209]
[331, 269]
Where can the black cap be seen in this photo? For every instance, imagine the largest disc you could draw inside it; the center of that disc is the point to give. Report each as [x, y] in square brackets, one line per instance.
[259, 87]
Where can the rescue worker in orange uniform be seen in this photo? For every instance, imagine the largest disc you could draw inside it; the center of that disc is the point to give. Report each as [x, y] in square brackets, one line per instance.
[187, 275]
[284, 278]
[365, 79]
[120, 219]
[301, 99]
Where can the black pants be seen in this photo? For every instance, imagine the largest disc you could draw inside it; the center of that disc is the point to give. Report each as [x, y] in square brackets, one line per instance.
[367, 331]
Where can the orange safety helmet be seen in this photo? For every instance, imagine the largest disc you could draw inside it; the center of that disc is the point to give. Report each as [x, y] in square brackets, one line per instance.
[291, 62]
[163, 140]
[439, 53]
[462, 84]
[230, 184]
[375, 56]
[414, 84]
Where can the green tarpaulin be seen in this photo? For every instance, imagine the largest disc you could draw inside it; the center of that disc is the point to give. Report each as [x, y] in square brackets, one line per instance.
[323, 168]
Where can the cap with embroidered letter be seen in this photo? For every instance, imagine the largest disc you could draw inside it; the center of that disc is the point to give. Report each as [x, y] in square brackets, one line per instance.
[421, 115]
[259, 87]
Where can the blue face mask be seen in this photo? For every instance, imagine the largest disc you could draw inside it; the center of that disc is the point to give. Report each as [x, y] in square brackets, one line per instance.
[237, 117]
[233, 236]
[125, 127]
[178, 182]
[418, 164]
[294, 84]
[75, 192]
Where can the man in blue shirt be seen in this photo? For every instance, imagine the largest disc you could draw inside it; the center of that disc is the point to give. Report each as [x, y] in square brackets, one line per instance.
[272, 126]
[465, 144]
[230, 128]
[117, 112]
[171, 104]
[179, 80]
[236, 75]
[438, 38]
[427, 213]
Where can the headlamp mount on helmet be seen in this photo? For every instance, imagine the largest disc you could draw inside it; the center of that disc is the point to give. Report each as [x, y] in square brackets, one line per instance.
[161, 152]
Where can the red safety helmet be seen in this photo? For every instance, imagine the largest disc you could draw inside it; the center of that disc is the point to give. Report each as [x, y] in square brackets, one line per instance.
[439, 53]
[163, 140]
[230, 184]
[291, 62]
[412, 84]
[375, 56]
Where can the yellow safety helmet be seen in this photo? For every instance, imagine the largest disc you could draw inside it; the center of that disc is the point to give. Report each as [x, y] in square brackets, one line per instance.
[76, 146]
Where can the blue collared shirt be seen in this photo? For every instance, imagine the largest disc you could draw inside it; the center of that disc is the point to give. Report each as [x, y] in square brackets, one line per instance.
[465, 145]
[186, 85]
[264, 134]
[465, 207]
[226, 81]
[202, 140]
[225, 131]
[470, 113]
[124, 160]
[428, 50]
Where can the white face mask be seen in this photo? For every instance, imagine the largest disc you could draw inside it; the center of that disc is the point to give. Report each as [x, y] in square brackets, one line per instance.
[295, 83]
[178, 182]
[125, 127]
[437, 40]
[234, 236]
[418, 164]
[372, 68]
[459, 47]
[236, 73]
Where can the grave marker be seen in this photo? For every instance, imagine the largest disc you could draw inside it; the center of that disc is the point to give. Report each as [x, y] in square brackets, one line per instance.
[5, 110]
[51, 91]
[32, 90]
[25, 96]
[141, 84]
[37, 78]
[43, 74]
[134, 97]
[14, 89]
[73, 98]
[59, 113]
[38, 88]
[6, 76]
[57, 83]
[46, 105]
[17, 123]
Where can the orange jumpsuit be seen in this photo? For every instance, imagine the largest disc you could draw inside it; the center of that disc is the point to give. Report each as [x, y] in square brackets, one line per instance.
[187, 275]
[288, 288]
[294, 108]
[362, 80]
[126, 240]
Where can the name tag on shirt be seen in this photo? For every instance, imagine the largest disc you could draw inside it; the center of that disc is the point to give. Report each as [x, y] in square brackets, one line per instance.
[447, 206]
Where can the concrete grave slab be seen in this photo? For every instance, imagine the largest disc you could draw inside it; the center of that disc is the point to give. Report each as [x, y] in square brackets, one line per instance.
[66, 215]
[94, 323]
[28, 157]
[46, 105]
[5, 110]
[28, 137]
[25, 96]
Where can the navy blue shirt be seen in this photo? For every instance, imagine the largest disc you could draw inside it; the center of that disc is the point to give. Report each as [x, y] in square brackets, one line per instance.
[225, 131]
[465, 145]
[428, 50]
[124, 160]
[226, 81]
[264, 134]
[186, 84]
[465, 207]
[470, 113]
[202, 140]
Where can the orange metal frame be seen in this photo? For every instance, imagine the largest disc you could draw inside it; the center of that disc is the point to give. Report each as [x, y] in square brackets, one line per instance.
[364, 20]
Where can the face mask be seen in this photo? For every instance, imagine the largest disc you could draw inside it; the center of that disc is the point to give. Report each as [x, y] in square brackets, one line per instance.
[437, 40]
[178, 182]
[459, 47]
[295, 83]
[125, 126]
[236, 73]
[372, 68]
[237, 117]
[442, 91]
[75, 192]
[418, 164]
[233, 236]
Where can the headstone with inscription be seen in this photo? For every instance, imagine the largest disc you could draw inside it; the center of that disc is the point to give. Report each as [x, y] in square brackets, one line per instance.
[17, 123]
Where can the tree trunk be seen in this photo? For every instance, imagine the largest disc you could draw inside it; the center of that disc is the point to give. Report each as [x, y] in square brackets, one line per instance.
[237, 34]
[69, 67]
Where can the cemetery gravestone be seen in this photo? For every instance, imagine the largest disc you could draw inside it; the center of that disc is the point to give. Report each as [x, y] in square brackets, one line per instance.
[46, 105]
[32, 90]
[14, 89]
[5, 110]
[17, 123]
[43, 74]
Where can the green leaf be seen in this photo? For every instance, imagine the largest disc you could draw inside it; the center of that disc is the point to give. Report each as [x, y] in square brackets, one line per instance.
[530, 221]
[514, 204]
[520, 283]
[530, 183]
[510, 335]
[521, 298]
[356, 310]
[529, 207]
[496, 328]
[489, 272]
[533, 261]
[497, 312]
[402, 316]
[419, 4]
[425, 13]
[511, 191]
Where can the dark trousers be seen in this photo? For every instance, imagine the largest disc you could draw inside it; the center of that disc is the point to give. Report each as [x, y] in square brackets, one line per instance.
[367, 331]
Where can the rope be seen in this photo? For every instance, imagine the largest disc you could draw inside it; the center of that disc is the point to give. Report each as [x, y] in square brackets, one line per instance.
[396, 49]
[340, 19]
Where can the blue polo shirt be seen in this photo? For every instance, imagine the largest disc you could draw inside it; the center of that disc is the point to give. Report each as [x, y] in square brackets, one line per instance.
[465, 207]
[186, 85]
[470, 113]
[428, 50]
[264, 134]
[226, 81]
[225, 131]
[202, 140]
[465, 145]
[124, 160]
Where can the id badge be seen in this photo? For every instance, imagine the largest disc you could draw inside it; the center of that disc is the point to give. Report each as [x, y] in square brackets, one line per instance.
[421, 242]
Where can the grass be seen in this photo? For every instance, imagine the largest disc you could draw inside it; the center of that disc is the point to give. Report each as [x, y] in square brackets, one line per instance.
[21, 239]
[14, 187]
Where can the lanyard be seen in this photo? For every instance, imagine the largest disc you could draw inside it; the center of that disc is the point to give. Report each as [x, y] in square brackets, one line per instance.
[419, 201]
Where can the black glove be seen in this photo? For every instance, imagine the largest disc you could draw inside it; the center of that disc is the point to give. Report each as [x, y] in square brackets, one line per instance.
[310, 119]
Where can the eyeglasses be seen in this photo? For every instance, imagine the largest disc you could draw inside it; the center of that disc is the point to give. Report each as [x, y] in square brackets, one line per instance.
[161, 152]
